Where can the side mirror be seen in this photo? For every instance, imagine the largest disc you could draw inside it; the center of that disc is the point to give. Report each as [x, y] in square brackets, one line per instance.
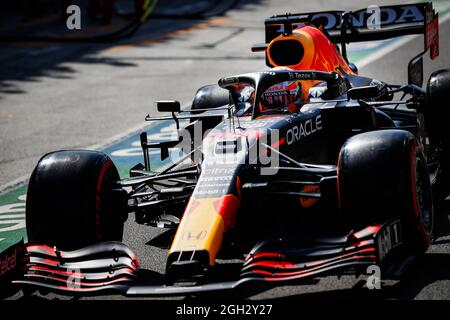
[365, 92]
[168, 106]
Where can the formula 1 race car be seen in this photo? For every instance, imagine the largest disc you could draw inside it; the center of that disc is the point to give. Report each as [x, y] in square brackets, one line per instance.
[300, 170]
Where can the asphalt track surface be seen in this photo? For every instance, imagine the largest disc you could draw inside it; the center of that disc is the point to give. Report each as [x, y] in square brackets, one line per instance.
[75, 96]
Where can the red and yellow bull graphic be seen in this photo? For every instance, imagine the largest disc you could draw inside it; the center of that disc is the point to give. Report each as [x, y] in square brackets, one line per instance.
[211, 210]
[204, 222]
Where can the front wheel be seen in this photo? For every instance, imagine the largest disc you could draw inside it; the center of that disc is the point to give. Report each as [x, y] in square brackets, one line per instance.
[72, 200]
[384, 175]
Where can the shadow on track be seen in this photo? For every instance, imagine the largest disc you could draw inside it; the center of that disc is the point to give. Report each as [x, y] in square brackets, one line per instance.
[29, 62]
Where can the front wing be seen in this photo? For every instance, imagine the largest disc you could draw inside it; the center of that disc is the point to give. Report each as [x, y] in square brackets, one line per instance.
[111, 267]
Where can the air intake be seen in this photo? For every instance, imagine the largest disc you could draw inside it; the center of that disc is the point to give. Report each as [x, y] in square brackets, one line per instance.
[285, 52]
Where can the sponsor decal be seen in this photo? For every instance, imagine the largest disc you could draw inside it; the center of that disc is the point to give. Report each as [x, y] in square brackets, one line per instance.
[384, 16]
[307, 202]
[8, 262]
[372, 18]
[388, 238]
[9, 259]
[188, 235]
[215, 182]
[302, 75]
[304, 129]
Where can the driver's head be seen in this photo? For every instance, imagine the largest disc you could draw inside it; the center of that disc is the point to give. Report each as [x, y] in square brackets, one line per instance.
[282, 95]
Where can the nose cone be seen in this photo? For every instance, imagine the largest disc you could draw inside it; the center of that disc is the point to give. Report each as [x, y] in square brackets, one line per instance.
[210, 213]
[202, 227]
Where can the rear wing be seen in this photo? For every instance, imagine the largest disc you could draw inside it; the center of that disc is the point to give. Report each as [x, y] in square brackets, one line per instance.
[369, 24]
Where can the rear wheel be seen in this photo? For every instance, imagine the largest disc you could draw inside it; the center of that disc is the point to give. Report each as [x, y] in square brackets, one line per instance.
[383, 175]
[72, 201]
[436, 111]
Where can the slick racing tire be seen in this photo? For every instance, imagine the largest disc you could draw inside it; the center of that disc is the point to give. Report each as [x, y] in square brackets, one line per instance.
[71, 200]
[383, 175]
[436, 111]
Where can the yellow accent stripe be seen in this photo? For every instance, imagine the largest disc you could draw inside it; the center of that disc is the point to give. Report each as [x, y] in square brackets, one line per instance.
[201, 228]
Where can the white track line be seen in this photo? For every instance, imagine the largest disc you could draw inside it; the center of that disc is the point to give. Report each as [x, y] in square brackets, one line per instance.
[13, 184]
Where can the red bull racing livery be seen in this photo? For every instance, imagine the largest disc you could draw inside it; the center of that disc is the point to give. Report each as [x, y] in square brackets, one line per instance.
[297, 171]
